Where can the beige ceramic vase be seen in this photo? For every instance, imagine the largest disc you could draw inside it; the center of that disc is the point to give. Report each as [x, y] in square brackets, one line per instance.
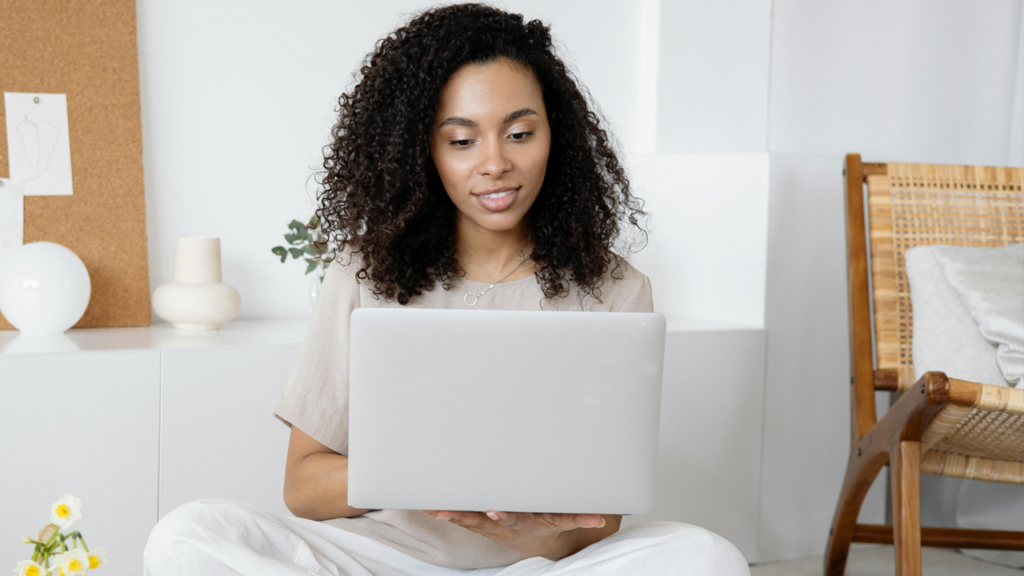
[196, 299]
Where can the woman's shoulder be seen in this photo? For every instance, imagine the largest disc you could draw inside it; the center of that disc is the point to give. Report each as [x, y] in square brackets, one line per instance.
[624, 274]
[341, 279]
[345, 263]
[624, 288]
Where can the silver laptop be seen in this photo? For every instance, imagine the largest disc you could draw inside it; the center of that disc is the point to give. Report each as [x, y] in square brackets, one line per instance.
[503, 410]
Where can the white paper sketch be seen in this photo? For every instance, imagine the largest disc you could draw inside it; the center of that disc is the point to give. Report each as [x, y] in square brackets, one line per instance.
[38, 145]
[12, 217]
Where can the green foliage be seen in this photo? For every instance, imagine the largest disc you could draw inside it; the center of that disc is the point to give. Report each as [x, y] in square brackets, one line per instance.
[306, 242]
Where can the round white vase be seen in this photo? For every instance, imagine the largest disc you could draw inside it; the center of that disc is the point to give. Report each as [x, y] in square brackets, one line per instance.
[196, 299]
[44, 288]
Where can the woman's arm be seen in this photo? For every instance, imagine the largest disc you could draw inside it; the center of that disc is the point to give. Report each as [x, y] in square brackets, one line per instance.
[316, 480]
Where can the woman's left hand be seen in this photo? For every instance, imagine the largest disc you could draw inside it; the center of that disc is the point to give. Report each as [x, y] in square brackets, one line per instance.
[553, 536]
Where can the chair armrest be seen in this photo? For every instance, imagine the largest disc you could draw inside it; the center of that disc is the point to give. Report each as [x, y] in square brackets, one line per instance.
[909, 417]
[887, 380]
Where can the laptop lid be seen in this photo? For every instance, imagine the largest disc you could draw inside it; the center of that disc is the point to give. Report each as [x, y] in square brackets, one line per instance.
[504, 410]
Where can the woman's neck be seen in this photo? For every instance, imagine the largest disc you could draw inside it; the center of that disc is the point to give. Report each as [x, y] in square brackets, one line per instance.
[489, 256]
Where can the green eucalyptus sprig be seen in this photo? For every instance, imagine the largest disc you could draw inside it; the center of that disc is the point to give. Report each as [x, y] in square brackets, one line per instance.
[306, 242]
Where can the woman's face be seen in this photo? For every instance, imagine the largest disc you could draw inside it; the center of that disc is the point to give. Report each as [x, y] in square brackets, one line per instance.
[490, 143]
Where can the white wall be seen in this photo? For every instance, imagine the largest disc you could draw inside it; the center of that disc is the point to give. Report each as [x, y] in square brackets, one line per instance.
[713, 76]
[807, 371]
[238, 98]
[913, 81]
[1016, 155]
[709, 220]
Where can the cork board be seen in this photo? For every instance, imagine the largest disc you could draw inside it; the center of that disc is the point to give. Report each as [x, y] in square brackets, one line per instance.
[88, 51]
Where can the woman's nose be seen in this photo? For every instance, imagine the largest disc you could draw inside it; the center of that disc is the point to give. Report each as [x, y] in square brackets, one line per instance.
[494, 161]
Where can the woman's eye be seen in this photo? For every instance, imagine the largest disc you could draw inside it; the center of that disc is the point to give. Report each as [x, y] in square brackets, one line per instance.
[460, 143]
[520, 135]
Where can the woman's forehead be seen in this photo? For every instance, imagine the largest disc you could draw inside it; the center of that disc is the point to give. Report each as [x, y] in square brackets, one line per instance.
[490, 92]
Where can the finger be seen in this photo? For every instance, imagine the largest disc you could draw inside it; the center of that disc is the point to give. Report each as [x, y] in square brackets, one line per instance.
[480, 523]
[468, 519]
[589, 520]
[521, 520]
[506, 519]
[563, 522]
[550, 521]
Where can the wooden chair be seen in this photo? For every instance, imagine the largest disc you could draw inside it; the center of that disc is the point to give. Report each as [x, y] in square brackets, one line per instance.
[938, 425]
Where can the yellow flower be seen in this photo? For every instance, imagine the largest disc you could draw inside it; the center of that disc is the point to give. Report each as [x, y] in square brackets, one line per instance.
[30, 568]
[72, 562]
[97, 556]
[65, 511]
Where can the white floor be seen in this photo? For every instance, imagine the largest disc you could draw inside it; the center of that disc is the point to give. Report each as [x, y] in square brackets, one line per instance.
[880, 561]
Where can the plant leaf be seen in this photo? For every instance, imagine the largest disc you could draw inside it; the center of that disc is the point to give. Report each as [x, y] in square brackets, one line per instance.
[311, 266]
[298, 229]
[314, 221]
[296, 252]
[280, 251]
[311, 250]
[292, 239]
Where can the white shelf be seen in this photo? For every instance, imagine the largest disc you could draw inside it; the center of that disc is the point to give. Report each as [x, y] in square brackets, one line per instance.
[243, 333]
[677, 324]
[160, 336]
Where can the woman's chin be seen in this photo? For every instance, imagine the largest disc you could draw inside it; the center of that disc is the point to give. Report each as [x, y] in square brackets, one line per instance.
[498, 222]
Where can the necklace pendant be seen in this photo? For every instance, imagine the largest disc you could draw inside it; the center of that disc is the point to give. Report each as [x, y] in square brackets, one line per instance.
[471, 301]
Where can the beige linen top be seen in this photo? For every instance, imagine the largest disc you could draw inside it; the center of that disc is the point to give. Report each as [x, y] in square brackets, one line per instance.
[316, 396]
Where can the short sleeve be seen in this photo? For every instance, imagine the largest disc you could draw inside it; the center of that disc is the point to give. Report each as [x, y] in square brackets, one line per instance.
[641, 300]
[316, 396]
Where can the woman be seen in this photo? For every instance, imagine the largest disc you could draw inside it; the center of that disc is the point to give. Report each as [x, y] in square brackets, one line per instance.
[466, 170]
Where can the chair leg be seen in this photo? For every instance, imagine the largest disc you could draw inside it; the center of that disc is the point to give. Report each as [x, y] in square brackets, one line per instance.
[905, 468]
[861, 471]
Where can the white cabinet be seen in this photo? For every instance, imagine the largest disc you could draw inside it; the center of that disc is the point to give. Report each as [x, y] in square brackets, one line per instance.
[218, 437]
[87, 424]
[135, 421]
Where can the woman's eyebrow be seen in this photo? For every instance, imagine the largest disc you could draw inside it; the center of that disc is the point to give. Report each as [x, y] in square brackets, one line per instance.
[517, 115]
[511, 117]
[457, 121]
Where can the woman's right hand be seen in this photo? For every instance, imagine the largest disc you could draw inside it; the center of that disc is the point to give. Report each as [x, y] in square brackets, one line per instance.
[316, 480]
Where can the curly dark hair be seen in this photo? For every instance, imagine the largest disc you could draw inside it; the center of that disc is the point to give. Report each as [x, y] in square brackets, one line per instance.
[381, 196]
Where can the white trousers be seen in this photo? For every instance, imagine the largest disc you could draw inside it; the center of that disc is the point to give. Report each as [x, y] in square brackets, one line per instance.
[221, 537]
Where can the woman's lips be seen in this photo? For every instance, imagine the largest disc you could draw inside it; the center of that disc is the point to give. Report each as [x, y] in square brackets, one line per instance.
[502, 202]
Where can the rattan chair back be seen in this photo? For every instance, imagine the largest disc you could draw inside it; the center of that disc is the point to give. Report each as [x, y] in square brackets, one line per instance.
[922, 204]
